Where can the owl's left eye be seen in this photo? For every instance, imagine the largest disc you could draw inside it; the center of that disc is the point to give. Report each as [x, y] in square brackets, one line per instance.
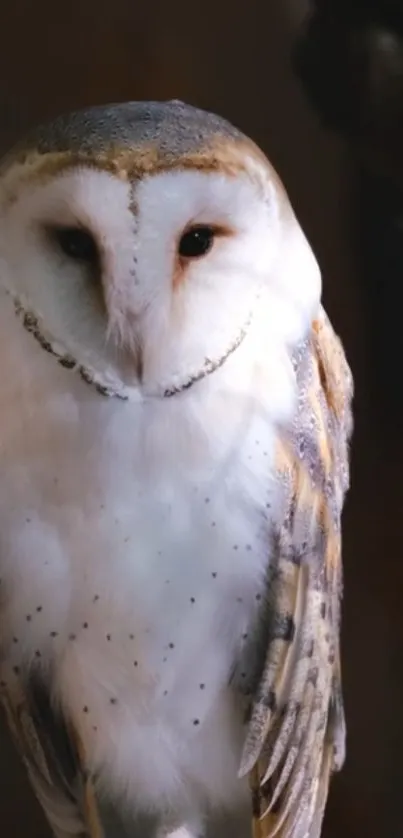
[76, 243]
[196, 242]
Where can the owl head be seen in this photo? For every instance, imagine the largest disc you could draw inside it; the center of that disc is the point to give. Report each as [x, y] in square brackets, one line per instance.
[143, 243]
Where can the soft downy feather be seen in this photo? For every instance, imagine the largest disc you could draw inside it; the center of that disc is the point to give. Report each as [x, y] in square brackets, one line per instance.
[296, 727]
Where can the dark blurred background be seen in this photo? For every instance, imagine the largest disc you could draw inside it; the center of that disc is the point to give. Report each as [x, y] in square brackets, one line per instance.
[235, 58]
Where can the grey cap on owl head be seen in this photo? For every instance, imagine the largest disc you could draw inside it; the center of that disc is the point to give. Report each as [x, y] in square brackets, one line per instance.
[173, 127]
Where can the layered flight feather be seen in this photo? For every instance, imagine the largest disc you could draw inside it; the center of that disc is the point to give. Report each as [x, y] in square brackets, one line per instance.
[296, 732]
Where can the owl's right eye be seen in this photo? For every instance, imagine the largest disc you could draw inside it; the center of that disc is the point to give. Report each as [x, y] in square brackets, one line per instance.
[76, 243]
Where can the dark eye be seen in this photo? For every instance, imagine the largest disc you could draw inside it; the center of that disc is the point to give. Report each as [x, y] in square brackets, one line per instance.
[196, 242]
[76, 243]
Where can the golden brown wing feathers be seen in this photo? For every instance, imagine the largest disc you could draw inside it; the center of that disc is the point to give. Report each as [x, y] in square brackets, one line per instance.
[296, 729]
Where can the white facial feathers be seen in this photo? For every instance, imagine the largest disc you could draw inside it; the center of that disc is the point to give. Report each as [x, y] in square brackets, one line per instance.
[142, 314]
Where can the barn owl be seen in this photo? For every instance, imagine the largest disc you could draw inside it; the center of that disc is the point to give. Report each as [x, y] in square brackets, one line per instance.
[174, 448]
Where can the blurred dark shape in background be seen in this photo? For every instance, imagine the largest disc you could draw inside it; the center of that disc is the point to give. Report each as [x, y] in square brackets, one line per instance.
[235, 58]
[349, 59]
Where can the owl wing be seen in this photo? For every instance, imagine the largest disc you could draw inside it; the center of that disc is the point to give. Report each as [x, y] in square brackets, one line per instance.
[296, 731]
[54, 758]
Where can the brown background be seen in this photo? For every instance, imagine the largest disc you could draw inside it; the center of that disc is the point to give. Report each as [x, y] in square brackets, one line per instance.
[218, 55]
